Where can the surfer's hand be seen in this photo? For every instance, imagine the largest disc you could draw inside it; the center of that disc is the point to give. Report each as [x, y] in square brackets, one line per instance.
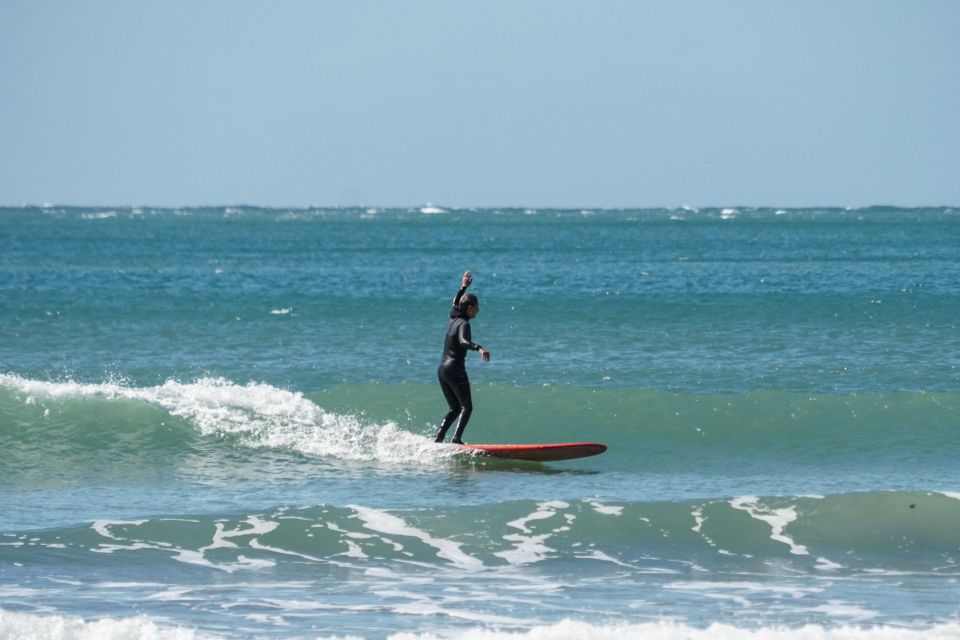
[484, 355]
[467, 279]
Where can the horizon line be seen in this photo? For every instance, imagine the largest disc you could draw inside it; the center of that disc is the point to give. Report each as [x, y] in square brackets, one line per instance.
[438, 208]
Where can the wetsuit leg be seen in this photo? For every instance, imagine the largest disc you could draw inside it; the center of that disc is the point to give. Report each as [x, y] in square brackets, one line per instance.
[452, 402]
[467, 403]
[456, 389]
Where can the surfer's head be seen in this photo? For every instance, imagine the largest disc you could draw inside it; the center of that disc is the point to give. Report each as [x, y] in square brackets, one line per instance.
[470, 305]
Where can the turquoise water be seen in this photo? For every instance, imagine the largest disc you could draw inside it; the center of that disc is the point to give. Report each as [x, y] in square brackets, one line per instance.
[217, 423]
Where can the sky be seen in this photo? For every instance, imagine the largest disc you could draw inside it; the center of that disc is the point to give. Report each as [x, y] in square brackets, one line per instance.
[495, 103]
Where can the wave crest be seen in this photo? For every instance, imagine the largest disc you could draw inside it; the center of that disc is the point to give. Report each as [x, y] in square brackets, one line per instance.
[256, 415]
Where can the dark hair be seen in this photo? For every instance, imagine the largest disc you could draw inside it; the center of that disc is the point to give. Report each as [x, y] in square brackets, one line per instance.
[468, 300]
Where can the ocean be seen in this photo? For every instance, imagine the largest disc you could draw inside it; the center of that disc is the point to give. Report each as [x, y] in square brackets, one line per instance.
[217, 422]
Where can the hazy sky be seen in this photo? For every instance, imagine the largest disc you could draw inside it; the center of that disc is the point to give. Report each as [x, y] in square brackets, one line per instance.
[480, 103]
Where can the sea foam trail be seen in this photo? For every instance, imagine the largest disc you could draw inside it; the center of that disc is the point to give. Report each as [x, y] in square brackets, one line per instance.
[258, 414]
[861, 534]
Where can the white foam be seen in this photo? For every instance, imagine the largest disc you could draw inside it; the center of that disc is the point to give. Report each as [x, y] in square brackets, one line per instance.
[384, 522]
[136, 546]
[528, 549]
[103, 526]
[544, 510]
[349, 534]
[98, 215]
[353, 550]
[25, 625]
[607, 510]
[381, 572]
[175, 594]
[421, 605]
[603, 557]
[746, 586]
[256, 544]
[827, 565]
[243, 563]
[220, 540]
[670, 630]
[257, 527]
[778, 519]
[699, 519]
[281, 312]
[835, 609]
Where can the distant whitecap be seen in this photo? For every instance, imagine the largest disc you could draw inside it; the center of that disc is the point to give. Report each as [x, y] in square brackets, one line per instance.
[99, 215]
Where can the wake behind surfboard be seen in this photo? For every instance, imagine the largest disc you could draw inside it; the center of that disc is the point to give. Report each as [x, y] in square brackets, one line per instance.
[537, 452]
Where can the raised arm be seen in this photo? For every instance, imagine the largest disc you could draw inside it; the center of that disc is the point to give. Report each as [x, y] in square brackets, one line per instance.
[465, 282]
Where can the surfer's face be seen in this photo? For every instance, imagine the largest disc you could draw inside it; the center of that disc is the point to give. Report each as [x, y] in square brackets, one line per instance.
[473, 310]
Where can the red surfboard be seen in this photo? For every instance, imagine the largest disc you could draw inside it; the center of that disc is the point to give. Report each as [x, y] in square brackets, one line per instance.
[538, 452]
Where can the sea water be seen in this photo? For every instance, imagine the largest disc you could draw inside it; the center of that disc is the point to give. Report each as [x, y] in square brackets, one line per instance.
[217, 423]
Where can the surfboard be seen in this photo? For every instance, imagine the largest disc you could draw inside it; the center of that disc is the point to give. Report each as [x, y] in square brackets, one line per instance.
[537, 452]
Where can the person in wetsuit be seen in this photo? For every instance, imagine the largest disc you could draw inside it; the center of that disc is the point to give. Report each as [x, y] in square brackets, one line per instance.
[452, 372]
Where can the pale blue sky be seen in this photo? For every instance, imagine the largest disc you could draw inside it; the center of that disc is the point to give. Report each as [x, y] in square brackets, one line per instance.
[481, 103]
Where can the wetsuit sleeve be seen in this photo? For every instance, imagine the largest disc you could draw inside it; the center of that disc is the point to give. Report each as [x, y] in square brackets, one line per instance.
[464, 337]
[456, 300]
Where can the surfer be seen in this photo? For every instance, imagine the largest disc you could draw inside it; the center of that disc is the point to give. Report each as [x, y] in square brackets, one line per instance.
[452, 372]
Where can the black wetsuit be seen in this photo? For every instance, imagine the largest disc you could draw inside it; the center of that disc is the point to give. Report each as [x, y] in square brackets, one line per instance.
[452, 372]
